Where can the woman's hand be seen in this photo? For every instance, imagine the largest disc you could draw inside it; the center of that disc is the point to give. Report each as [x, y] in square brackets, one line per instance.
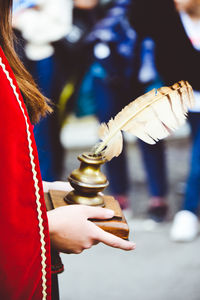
[72, 232]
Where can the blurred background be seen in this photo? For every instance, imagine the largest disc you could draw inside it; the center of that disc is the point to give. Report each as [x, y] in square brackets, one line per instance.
[91, 58]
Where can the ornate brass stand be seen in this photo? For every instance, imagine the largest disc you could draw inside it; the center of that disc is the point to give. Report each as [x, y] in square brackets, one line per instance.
[88, 181]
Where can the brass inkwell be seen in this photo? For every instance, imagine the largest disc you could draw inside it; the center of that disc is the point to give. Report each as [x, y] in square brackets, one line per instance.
[88, 181]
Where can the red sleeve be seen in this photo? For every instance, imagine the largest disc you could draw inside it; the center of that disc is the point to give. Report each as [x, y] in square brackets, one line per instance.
[25, 247]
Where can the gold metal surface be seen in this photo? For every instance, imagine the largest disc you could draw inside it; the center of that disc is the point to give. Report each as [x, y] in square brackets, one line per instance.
[87, 181]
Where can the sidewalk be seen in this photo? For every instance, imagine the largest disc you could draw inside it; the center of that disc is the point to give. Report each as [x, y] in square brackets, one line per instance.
[157, 270]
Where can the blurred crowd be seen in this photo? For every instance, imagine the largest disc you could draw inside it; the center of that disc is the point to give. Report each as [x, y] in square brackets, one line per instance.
[92, 57]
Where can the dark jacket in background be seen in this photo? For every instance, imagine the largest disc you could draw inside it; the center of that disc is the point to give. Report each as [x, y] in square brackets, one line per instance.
[176, 58]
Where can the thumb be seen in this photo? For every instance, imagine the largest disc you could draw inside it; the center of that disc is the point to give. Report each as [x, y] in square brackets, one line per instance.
[98, 213]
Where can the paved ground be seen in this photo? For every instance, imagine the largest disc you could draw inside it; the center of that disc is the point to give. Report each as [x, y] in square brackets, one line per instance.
[158, 269]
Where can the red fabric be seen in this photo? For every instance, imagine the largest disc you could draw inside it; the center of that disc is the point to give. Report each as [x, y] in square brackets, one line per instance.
[20, 250]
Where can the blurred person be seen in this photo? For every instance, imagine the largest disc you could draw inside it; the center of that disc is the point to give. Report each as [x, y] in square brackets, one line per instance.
[74, 54]
[123, 69]
[153, 156]
[27, 228]
[114, 82]
[42, 22]
[186, 226]
[174, 27]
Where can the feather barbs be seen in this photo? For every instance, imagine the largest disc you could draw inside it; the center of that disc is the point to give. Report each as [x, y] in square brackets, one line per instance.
[150, 117]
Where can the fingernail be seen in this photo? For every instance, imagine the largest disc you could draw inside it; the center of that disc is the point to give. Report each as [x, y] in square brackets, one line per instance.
[133, 246]
[109, 213]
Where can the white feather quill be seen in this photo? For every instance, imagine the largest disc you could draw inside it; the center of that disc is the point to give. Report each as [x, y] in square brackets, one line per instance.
[151, 117]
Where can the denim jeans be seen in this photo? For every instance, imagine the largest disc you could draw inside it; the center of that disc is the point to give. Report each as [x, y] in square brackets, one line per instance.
[192, 193]
[155, 165]
[109, 101]
[154, 161]
[46, 132]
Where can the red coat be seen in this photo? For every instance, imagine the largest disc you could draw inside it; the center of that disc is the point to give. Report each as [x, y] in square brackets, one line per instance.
[25, 268]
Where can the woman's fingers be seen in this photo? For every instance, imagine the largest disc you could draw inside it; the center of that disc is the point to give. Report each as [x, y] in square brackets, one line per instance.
[56, 185]
[114, 241]
[61, 186]
[98, 212]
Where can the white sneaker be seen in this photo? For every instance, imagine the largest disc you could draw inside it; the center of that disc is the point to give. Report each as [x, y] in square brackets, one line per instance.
[185, 227]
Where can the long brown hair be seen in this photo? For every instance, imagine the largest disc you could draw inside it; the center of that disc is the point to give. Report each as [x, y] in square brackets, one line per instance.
[36, 103]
